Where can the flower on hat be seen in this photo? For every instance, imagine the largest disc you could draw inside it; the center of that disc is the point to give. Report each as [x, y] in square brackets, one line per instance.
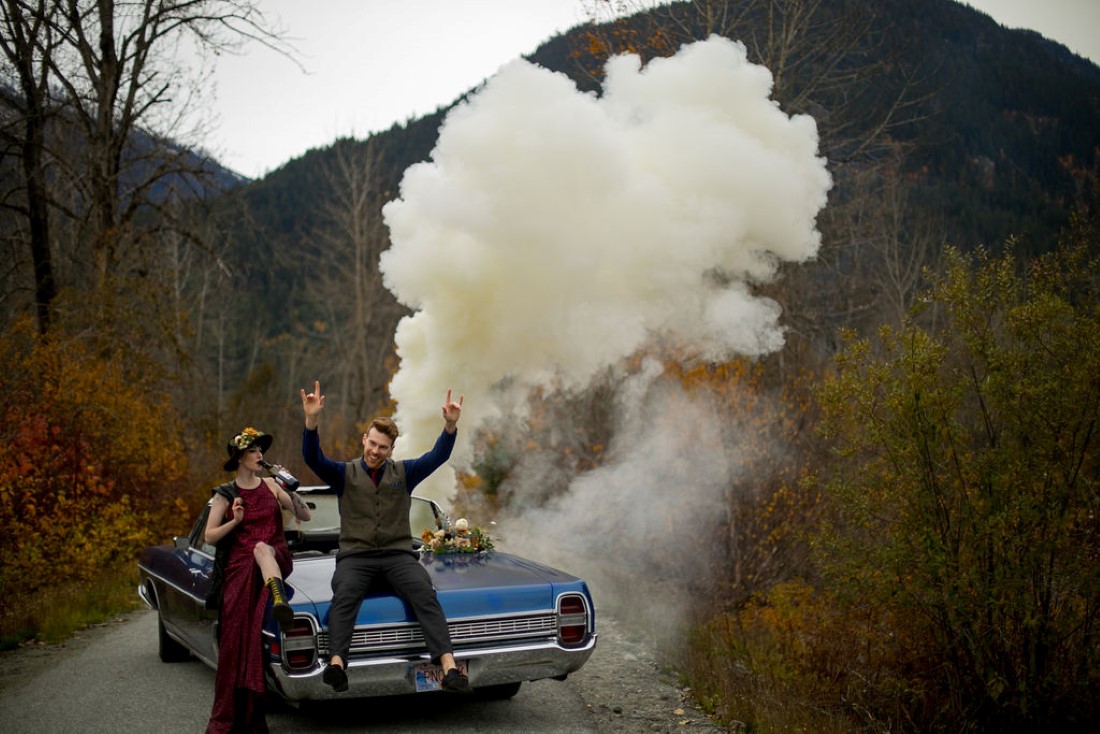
[246, 438]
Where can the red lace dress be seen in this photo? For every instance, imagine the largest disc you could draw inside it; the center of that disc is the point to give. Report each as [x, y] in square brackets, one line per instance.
[239, 682]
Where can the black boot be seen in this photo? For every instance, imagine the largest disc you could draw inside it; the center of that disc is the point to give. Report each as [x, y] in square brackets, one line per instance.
[284, 615]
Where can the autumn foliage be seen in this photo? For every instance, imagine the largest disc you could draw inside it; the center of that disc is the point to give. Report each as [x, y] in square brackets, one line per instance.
[90, 463]
[965, 494]
[955, 584]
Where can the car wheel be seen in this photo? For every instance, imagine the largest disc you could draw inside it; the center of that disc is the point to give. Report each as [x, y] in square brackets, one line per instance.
[170, 650]
[498, 692]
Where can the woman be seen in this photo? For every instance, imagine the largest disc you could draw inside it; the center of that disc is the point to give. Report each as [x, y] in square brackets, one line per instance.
[258, 561]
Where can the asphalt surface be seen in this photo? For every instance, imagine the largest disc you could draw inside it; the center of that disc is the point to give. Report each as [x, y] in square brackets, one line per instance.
[110, 679]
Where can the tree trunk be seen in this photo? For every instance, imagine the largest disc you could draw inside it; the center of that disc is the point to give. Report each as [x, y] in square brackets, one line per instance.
[28, 36]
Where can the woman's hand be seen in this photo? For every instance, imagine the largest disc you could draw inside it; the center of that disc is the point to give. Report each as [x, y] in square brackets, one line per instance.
[238, 510]
[218, 523]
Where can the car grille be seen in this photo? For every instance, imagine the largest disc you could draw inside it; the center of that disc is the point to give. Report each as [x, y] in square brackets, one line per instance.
[408, 636]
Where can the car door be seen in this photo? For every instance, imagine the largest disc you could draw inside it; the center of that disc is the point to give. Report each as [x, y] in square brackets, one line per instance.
[196, 624]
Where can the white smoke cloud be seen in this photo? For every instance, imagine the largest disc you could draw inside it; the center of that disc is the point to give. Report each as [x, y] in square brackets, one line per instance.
[644, 528]
[555, 232]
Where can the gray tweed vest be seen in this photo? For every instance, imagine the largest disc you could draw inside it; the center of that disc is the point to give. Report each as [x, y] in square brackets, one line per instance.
[375, 517]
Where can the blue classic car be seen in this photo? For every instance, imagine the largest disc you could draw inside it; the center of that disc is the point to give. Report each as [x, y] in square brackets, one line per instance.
[511, 619]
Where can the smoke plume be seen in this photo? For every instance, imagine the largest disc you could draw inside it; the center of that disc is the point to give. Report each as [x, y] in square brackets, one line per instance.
[554, 233]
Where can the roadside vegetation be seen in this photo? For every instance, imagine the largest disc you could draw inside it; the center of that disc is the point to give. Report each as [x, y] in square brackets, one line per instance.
[53, 614]
[91, 471]
[954, 582]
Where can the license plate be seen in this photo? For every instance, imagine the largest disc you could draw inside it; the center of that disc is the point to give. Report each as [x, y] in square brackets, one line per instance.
[429, 677]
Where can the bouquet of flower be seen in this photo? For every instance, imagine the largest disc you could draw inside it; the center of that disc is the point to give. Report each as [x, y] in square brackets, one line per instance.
[459, 537]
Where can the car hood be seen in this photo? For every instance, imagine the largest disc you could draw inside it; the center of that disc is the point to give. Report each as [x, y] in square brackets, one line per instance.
[467, 585]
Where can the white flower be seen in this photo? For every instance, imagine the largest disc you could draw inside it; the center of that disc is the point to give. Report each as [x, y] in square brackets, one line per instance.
[246, 438]
[459, 537]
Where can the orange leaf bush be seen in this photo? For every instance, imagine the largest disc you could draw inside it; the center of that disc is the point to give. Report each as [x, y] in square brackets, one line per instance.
[89, 461]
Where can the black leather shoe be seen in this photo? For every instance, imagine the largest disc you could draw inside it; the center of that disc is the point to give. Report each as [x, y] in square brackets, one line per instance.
[335, 676]
[456, 682]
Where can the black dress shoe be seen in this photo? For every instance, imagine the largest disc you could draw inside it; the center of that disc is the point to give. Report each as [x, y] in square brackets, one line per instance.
[456, 682]
[335, 676]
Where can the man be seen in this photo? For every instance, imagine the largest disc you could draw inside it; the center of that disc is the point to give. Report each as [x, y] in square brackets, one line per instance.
[374, 533]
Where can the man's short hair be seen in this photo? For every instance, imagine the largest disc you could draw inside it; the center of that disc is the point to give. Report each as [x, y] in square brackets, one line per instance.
[386, 427]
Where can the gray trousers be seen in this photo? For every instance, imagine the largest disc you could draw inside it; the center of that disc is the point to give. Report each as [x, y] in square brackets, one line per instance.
[355, 572]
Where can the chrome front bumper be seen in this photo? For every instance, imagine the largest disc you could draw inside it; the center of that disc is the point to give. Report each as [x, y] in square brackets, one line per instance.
[390, 676]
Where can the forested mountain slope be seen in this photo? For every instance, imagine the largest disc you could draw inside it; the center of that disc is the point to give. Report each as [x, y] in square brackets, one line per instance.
[971, 133]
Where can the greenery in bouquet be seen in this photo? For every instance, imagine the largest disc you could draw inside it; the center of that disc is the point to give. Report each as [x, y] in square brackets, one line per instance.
[459, 537]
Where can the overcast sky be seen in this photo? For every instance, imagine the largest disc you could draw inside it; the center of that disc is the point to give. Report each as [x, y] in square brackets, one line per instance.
[370, 63]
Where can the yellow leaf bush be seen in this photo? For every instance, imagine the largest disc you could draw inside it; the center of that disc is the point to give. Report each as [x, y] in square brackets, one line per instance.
[90, 461]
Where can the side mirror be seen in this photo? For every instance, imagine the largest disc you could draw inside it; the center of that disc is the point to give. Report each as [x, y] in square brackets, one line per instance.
[182, 542]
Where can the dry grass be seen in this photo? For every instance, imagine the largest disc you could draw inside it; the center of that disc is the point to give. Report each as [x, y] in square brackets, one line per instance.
[720, 670]
[790, 662]
[53, 615]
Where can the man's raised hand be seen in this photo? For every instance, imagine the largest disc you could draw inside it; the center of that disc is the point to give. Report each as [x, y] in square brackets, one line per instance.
[451, 412]
[312, 404]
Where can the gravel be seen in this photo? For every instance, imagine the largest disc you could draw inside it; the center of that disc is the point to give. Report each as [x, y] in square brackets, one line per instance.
[627, 690]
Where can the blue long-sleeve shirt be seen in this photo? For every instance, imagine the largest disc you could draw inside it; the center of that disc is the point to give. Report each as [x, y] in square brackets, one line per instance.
[332, 472]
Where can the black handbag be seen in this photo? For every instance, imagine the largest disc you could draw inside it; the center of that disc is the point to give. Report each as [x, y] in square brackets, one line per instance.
[221, 553]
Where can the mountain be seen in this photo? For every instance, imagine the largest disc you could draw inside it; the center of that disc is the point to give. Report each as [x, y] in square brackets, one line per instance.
[1005, 112]
[997, 129]
[1000, 113]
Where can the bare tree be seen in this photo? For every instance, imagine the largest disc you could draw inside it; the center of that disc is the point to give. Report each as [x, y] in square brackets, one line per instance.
[109, 71]
[878, 244]
[345, 261]
[902, 245]
[27, 42]
[819, 54]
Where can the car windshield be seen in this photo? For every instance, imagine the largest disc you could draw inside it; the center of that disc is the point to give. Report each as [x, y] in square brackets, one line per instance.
[422, 516]
[324, 511]
[324, 523]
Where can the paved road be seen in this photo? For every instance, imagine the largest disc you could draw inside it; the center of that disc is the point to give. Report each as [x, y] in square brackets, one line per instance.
[111, 680]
